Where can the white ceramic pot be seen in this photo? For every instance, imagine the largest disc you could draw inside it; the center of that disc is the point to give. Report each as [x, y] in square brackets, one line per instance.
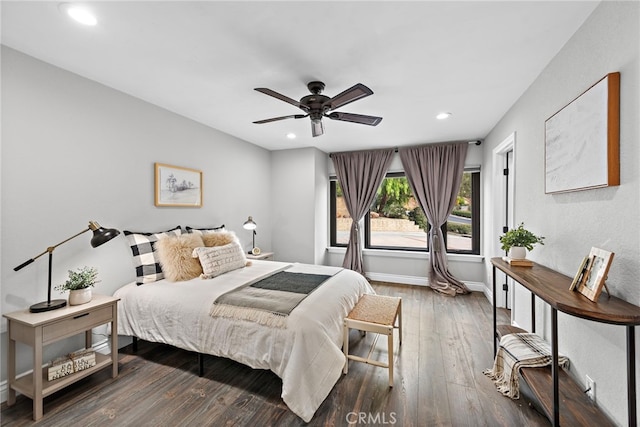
[517, 252]
[80, 296]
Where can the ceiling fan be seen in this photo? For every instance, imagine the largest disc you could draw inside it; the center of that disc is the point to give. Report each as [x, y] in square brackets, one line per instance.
[316, 106]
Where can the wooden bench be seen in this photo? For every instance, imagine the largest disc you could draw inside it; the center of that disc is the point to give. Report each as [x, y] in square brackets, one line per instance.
[379, 314]
[576, 409]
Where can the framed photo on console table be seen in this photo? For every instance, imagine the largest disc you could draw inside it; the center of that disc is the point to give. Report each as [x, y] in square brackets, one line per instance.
[595, 273]
[177, 186]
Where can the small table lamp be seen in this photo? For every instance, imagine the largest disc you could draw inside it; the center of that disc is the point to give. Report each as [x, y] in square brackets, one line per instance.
[251, 225]
[100, 235]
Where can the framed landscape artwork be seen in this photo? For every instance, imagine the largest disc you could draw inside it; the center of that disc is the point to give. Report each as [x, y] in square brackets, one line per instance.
[177, 186]
[582, 140]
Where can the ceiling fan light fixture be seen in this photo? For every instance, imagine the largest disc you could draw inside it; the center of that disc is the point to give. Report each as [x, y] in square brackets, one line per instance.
[443, 116]
[78, 13]
[317, 128]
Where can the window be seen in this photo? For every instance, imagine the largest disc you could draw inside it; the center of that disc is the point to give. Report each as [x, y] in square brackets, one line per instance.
[396, 221]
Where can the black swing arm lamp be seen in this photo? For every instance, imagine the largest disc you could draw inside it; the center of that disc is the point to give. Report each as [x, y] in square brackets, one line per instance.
[100, 235]
[250, 224]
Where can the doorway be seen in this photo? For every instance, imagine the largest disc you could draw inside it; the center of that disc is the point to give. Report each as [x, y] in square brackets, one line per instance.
[503, 219]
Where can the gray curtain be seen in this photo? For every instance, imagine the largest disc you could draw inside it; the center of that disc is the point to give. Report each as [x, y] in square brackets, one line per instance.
[360, 174]
[435, 173]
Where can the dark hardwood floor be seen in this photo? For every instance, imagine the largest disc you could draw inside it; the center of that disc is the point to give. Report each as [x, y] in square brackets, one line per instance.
[438, 381]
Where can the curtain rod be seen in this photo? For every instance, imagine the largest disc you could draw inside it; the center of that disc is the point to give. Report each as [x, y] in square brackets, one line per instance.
[474, 142]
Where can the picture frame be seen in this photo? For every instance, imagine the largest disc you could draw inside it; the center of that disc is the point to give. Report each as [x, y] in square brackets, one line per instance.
[594, 274]
[582, 140]
[177, 186]
[579, 273]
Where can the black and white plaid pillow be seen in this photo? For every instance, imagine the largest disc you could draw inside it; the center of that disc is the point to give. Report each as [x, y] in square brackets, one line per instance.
[145, 257]
[202, 231]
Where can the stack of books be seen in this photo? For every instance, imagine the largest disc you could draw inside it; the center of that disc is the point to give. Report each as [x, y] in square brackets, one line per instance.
[518, 262]
[83, 359]
[73, 362]
[60, 367]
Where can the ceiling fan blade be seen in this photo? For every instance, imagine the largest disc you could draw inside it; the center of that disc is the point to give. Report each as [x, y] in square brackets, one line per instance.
[355, 118]
[281, 97]
[275, 119]
[317, 127]
[354, 93]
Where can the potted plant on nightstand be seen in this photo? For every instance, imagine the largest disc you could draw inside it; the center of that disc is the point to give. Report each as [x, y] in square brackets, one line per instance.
[518, 241]
[79, 285]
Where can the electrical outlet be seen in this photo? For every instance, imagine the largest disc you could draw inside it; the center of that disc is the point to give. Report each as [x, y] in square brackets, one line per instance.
[591, 388]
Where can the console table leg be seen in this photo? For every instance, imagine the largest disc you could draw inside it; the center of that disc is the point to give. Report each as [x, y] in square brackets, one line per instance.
[554, 367]
[631, 374]
[533, 313]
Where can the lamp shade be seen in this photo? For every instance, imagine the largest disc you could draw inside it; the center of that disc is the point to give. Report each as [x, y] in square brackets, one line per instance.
[249, 224]
[100, 234]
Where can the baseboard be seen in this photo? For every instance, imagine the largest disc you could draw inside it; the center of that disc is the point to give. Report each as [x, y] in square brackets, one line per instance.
[419, 281]
[397, 278]
[102, 347]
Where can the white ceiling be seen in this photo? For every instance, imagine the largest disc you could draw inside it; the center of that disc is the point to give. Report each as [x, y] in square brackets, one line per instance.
[202, 60]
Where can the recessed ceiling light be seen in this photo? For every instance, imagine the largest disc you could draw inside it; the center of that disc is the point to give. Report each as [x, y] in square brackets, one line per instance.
[443, 116]
[78, 13]
[291, 135]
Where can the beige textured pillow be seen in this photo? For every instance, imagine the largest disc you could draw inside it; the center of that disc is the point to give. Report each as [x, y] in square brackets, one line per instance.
[220, 259]
[174, 253]
[219, 238]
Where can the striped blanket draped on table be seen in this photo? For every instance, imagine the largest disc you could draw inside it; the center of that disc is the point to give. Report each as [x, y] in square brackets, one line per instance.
[520, 350]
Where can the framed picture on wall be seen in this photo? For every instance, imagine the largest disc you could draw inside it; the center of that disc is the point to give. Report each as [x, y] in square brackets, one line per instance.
[177, 186]
[582, 140]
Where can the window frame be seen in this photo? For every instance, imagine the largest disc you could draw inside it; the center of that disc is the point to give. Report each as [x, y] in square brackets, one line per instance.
[475, 219]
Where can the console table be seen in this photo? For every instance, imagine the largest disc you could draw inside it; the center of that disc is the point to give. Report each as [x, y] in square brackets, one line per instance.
[553, 288]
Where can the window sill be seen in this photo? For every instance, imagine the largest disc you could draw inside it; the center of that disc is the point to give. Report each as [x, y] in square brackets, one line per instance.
[384, 253]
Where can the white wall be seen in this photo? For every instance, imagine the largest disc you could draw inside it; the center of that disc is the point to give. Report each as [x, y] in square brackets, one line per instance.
[574, 222]
[74, 150]
[299, 205]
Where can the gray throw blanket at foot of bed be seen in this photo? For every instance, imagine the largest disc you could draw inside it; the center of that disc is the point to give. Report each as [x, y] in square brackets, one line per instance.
[268, 301]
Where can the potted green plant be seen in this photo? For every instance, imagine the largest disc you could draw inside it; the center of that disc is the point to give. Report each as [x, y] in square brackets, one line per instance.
[518, 241]
[79, 285]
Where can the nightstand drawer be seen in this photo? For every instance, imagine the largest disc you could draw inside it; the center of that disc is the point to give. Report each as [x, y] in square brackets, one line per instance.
[79, 323]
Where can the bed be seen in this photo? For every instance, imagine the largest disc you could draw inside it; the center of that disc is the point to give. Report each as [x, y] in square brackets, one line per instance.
[306, 353]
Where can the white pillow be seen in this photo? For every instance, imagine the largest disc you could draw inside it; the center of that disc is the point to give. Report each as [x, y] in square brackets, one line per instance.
[217, 260]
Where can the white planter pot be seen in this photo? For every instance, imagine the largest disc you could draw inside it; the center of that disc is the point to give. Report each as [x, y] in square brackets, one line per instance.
[80, 296]
[518, 252]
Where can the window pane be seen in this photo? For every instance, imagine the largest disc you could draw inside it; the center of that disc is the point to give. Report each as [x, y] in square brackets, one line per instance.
[459, 227]
[343, 219]
[396, 220]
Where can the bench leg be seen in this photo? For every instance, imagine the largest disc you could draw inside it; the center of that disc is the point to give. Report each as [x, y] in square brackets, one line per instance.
[390, 345]
[400, 322]
[345, 348]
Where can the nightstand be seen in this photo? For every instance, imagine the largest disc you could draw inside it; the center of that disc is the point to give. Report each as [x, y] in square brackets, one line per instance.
[263, 255]
[41, 329]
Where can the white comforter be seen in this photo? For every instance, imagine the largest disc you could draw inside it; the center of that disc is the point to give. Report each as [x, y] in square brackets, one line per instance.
[307, 354]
